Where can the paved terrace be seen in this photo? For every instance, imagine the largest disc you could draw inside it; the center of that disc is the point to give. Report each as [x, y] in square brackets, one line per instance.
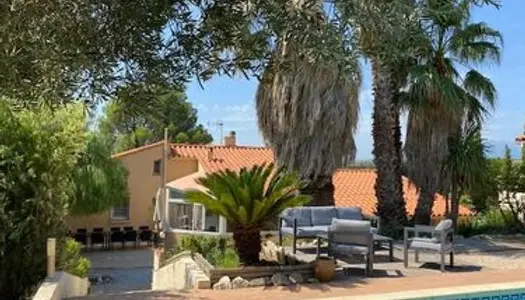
[479, 261]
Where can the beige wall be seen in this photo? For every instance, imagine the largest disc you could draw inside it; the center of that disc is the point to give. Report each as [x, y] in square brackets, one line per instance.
[143, 186]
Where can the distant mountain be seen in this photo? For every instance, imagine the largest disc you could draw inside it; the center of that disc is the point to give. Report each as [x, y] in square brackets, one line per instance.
[497, 148]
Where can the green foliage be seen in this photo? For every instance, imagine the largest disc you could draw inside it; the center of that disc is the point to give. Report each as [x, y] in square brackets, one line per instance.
[70, 260]
[484, 194]
[493, 221]
[39, 150]
[216, 249]
[48, 168]
[100, 180]
[251, 196]
[139, 114]
[248, 199]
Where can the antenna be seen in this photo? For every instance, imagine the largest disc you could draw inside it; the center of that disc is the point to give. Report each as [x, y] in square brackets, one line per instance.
[220, 125]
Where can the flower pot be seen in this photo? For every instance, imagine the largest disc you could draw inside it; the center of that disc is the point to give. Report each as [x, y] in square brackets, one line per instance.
[324, 269]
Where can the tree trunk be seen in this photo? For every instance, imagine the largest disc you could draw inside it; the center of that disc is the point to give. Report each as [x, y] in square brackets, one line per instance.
[454, 203]
[389, 188]
[247, 244]
[423, 212]
[322, 192]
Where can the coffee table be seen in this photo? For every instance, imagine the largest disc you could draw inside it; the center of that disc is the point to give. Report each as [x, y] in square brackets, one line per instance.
[379, 241]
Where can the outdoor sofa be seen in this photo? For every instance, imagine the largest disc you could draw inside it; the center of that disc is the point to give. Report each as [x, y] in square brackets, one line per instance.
[308, 222]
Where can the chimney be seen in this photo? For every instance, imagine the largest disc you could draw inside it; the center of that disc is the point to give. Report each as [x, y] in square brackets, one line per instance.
[210, 153]
[230, 140]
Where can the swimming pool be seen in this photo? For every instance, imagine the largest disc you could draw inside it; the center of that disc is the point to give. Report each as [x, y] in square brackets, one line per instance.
[499, 291]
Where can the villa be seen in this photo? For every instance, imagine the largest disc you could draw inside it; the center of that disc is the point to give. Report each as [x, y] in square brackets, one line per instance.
[185, 163]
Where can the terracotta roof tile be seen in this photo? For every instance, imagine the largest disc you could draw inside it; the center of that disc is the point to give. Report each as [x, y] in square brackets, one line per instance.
[353, 187]
[233, 157]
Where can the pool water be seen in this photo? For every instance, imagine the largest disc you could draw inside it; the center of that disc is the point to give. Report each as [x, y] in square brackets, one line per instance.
[496, 295]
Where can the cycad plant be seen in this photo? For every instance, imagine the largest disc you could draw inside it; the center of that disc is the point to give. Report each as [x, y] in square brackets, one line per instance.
[247, 199]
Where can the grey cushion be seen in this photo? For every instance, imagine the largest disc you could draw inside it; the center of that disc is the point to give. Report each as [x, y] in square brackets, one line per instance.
[428, 244]
[349, 213]
[445, 224]
[350, 232]
[323, 215]
[306, 231]
[303, 216]
[348, 249]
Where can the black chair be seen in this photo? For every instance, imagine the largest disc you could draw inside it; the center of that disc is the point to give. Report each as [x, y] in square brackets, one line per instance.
[98, 238]
[145, 235]
[116, 235]
[81, 236]
[130, 235]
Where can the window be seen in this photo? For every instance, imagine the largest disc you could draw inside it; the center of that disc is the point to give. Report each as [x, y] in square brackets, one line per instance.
[120, 212]
[184, 215]
[156, 167]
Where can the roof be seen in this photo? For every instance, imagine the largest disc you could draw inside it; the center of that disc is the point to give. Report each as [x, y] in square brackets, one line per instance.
[520, 138]
[225, 157]
[138, 149]
[355, 187]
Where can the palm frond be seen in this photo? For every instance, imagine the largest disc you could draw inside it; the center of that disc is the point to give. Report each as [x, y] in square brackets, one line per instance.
[251, 196]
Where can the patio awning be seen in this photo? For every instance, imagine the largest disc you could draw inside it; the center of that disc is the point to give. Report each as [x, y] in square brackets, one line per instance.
[187, 182]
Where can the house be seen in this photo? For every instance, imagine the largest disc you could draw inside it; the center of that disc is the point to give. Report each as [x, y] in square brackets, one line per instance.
[185, 163]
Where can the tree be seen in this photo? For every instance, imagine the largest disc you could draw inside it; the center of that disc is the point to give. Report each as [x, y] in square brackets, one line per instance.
[307, 111]
[139, 115]
[49, 168]
[386, 32]
[439, 98]
[466, 164]
[248, 199]
[100, 181]
[39, 150]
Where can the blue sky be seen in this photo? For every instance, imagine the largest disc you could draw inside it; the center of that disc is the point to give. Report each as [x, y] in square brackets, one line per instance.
[232, 100]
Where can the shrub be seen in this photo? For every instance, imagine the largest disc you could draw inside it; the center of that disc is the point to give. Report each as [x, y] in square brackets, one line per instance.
[71, 261]
[218, 250]
[492, 221]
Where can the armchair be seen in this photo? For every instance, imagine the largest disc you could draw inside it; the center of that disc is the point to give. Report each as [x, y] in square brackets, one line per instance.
[441, 240]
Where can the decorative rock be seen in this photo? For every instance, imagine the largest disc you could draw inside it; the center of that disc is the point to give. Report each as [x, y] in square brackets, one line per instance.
[296, 278]
[223, 284]
[262, 281]
[312, 280]
[271, 252]
[239, 283]
[280, 279]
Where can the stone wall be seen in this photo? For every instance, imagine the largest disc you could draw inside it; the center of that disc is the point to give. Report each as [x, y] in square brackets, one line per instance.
[63, 285]
[178, 273]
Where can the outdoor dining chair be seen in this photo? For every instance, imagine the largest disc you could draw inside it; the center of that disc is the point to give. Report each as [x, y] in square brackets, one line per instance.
[98, 237]
[439, 239]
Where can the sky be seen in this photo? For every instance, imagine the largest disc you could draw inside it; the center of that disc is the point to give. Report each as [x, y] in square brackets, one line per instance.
[232, 100]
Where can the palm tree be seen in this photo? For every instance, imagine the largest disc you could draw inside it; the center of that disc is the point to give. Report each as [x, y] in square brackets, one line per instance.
[466, 164]
[439, 96]
[307, 112]
[248, 199]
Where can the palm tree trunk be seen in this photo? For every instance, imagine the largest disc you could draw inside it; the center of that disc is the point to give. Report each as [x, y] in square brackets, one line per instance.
[389, 189]
[423, 212]
[454, 202]
[247, 244]
[322, 192]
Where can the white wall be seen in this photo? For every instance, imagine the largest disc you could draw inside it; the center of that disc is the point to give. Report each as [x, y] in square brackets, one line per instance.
[180, 272]
[63, 285]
